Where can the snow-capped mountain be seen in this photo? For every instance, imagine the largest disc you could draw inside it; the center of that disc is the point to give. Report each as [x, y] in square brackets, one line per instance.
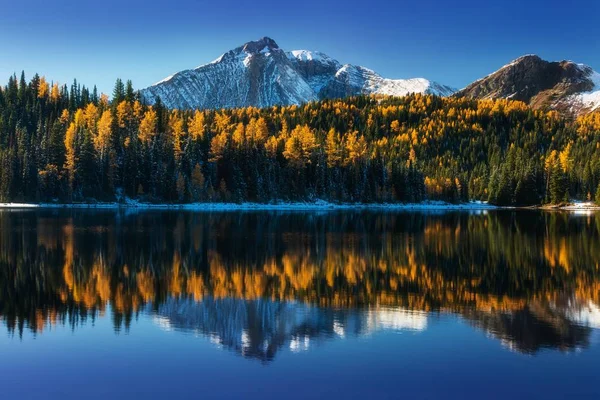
[564, 85]
[261, 74]
[329, 79]
[257, 73]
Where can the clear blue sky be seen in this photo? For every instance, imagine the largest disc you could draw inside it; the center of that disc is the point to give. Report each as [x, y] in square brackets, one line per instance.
[453, 41]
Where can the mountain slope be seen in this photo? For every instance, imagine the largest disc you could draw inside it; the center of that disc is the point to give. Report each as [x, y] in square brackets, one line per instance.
[256, 74]
[330, 79]
[563, 85]
[261, 74]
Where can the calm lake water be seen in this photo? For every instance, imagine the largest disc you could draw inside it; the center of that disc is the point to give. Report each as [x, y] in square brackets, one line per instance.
[153, 304]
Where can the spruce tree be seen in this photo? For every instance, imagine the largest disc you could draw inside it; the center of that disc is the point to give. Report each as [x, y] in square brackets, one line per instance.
[118, 92]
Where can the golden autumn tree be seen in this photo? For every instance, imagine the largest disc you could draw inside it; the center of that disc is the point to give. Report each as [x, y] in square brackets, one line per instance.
[43, 88]
[90, 116]
[257, 131]
[356, 148]
[197, 125]
[222, 122]
[104, 131]
[218, 146]
[334, 149]
[176, 132]
[272, 146]
[55, 93]
[300, 146]
[103, 100]
[239, 135]
[147, 129]
[566, 162]
[70, 145]
[124, 113]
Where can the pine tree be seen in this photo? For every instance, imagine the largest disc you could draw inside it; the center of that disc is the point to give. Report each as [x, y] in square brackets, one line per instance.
[118, 91]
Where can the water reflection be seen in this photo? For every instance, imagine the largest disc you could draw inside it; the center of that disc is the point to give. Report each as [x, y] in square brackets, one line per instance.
[260, 328]
[259, 282]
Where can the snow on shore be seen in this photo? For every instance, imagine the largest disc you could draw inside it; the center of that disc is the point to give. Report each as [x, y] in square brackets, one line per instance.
[577, 207]
[583, 208]
[317, 205]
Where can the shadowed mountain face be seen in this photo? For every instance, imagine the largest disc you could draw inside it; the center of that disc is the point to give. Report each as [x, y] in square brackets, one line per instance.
[260, 74]
[563, 85]
[257, 283]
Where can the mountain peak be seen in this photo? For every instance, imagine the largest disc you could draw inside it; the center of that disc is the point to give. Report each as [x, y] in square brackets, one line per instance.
[261, 74]
[562, 85]
[258, 45]
[527, 57]
[527, 60]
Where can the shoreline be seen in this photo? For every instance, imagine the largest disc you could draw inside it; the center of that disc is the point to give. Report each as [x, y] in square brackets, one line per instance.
[587, 206]
[318, 205]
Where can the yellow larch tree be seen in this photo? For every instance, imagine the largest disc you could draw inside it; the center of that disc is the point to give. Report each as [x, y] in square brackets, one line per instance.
[356, 148]
[90, 115]
[272, 146]
[177, 133]
[239, 136]
[43, 88]
[300, 146]
[196, 125]
[147, 129]
[124, 113]
[222, 122]
[55, 93]
[333, 149]
[102, 138]
[218, 146]
[566, 161]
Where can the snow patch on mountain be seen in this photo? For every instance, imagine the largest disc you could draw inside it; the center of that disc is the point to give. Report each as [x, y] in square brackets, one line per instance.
[370, 82]
[307, 55]
[590, 100]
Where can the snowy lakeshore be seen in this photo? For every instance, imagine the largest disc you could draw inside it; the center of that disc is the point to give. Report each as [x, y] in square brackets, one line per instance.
[318, 205]
[582, 207]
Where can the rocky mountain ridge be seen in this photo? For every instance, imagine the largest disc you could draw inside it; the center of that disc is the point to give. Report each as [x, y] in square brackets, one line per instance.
[261, 74]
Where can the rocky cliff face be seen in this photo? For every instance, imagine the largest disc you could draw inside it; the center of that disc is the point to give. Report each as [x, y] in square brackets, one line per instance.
[261, 74]
[563, 85]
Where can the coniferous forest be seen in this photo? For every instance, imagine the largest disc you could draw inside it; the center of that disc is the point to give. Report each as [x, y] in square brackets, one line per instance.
[71, 144]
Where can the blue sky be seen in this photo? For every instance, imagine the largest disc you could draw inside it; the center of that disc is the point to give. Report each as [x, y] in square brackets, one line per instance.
[452, 42]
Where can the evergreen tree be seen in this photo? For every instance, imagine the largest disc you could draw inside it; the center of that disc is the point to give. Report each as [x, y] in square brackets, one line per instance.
[118, 92]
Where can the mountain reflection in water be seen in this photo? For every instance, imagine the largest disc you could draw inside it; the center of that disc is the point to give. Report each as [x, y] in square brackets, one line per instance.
[258, 282]
[259, 328]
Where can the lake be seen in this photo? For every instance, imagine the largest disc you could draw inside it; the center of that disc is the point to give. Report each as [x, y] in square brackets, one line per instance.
[340, 304]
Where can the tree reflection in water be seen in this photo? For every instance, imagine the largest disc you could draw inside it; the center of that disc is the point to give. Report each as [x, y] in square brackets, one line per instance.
[257, 281]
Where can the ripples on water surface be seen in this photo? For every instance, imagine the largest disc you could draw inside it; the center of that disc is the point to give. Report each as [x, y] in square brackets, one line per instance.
[262, 304]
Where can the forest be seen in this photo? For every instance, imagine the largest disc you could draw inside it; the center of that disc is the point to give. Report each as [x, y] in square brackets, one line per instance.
[68, 144]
